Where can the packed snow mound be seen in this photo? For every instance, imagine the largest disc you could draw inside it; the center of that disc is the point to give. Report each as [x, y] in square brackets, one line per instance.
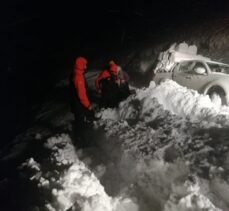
[168, 143]
[77, 188]
[173, 144]
[177, 53]
[177, 99]
[185, 102]
[194, 200]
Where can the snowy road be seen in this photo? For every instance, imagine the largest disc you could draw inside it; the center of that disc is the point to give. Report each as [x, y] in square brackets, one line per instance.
[164, 149]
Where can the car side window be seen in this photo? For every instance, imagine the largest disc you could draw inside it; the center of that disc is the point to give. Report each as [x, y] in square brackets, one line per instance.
[218, 68]
[176, 68]
[198, 66]
[185, 67]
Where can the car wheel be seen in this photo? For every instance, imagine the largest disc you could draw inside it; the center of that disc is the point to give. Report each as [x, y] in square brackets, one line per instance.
[217, 95]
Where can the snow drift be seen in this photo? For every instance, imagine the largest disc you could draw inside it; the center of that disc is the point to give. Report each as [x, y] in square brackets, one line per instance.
[169, 145]
[174, 145]
[75, 188]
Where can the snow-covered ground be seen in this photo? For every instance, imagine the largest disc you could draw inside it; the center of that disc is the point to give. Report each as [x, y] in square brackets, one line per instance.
[175, 144]
[165, 148]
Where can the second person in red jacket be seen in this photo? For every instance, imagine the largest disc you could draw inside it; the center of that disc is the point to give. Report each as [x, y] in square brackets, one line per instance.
[111, 85]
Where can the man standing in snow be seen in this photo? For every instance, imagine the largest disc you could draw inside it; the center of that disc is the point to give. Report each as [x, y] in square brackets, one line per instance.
[81, 105]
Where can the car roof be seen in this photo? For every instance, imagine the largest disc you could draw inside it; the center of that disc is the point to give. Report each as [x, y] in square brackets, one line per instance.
[220, 63]
[207, 61]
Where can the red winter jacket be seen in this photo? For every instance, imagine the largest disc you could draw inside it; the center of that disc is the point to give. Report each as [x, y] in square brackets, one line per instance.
[106, 74]
[79, 81]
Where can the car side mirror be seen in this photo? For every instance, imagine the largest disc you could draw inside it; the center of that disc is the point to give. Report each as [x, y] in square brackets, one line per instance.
[200, 70]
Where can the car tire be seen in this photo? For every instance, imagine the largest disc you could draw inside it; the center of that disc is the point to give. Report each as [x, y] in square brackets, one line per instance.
[217, 91]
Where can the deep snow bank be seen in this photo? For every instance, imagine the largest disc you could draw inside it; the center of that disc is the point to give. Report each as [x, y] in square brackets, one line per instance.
[169, 143]
[175, 98]
[173, 145]
[68, 182]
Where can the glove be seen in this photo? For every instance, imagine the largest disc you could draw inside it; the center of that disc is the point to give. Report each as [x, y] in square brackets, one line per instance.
[90, 108]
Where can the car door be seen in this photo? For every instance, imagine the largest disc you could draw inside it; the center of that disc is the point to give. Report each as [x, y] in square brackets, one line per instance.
[186, 75]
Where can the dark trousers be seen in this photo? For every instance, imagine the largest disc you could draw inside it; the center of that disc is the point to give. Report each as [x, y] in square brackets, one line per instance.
[124, 91]
[112, 94]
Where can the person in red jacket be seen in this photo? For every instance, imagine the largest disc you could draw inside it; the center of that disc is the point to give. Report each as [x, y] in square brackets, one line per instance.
[110, 74]
[111, 84]
[81, 105]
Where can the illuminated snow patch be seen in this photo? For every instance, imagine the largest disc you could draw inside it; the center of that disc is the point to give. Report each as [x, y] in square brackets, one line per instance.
[166, 134]
[190, 199]
[185, 102]
[78, 187]
[62, 150]
[81, 189]
[175, 98]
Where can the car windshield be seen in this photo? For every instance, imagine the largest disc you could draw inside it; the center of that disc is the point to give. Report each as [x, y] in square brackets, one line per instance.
[220, 68]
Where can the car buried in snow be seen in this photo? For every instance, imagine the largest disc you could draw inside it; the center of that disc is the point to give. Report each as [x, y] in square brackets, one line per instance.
[195, 72]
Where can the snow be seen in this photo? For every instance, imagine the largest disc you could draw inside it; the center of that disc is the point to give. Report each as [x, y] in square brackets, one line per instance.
[175, 98]
[63, 151]
[168, 143]
[191, 202]
[32, 164]
[177, 53]
[79, 188]
[185, 102]
[168, 132]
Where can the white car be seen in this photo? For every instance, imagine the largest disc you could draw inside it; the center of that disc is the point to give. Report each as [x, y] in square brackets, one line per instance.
[198, 73]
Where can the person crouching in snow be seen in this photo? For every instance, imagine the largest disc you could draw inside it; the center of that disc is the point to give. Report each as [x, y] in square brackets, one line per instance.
[80, 103]
[109, 84]
[123, 85]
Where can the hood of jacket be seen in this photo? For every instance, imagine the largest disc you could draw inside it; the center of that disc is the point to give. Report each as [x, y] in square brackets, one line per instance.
[80, 64]
[114, 69]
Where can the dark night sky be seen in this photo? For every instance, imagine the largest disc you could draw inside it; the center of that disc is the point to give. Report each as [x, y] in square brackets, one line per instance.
[28, 27]
[33, 28]
[39, 37]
